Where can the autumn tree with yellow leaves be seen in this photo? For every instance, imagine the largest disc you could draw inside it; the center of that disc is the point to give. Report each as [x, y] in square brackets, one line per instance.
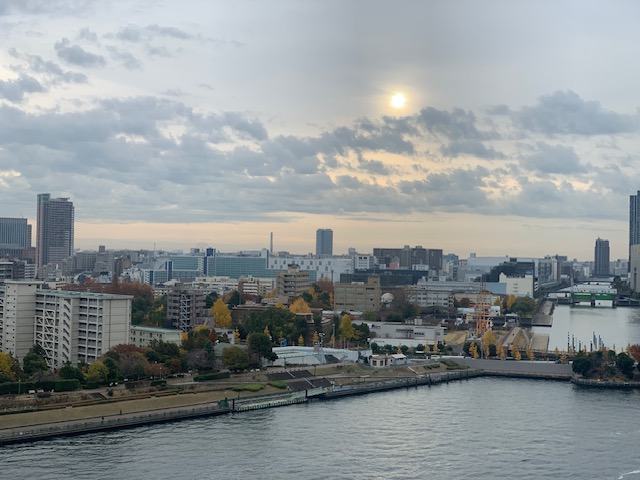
[299, 306]
[221, 314]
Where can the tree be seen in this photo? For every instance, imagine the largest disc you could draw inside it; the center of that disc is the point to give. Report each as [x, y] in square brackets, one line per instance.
[347, 332]
[235, 358]
[69, 372]
[500, 352]
[530, 354]
[370, 316]
[210, 355]
[515, 352]
[221, 314]
[233, 299]
[301, 341]
[35, 361]
[260, 344]
[625, 364]
[299, 306]
[634, 351]
[97, 373]
[7, 371]
[510, 301]
[581, 365]
[473, 350]
[210, 300]
[523, 306]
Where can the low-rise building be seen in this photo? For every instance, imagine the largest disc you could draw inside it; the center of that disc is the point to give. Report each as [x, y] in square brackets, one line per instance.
[381, 361]
[143, 336]
[358, 296]
[292, 282]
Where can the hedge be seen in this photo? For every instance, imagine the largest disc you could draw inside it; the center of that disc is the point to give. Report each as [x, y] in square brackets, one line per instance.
[211, 376]
[48, 385]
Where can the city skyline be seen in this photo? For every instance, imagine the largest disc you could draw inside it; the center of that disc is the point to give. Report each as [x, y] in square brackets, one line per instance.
[471, 128]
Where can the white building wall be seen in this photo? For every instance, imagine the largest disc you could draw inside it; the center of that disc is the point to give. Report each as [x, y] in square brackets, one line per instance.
[17, 319]
[518, 286]
[143, 336]
[327, 267]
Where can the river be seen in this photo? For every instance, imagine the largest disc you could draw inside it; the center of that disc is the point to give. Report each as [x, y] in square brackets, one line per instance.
[487, 428]
[614, 326]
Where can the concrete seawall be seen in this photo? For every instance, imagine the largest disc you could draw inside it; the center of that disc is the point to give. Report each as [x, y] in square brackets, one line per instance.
[520, 369]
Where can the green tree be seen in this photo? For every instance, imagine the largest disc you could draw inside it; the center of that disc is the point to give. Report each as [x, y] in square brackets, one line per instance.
[35, 361]
[210, 300]
[210, 355]
[523, 306]
[625, 364]
[69, 372]
[221, 314]
[581, 365]
[233, 299]
[235, 358]
[260, 344]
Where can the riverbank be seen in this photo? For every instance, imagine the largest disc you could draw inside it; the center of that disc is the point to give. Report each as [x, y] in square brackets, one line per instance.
[178, 405]
[74, 420]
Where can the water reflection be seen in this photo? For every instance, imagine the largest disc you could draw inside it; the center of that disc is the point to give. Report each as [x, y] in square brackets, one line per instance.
[614, 326]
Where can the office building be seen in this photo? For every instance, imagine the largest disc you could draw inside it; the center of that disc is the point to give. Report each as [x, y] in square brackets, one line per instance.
[601, 259]
[324, 241]
[55, 220]
[417, 258]
[358, 297]
[15, 238]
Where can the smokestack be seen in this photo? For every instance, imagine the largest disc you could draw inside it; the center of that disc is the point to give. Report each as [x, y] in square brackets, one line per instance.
[271, 243]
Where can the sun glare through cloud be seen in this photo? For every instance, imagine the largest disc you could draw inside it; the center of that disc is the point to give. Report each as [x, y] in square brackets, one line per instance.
[398, 100]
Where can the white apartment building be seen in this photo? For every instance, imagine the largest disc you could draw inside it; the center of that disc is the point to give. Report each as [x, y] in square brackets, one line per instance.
[143, 336]
[76, 327]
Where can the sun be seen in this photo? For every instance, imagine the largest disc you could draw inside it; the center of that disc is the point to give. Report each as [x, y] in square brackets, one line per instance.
[398, 100]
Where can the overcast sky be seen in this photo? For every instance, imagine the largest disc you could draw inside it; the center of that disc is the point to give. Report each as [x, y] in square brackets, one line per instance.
[186, 123]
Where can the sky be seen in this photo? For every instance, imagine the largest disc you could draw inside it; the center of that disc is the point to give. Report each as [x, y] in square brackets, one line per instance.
[513, 128]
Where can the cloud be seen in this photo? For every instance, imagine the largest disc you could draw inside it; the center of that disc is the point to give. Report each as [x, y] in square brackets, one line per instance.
[565, 112]
[126, 59]
[559, 159]
[43, 7]
[458, 124]
[50, 70]
[15, 90]
[76, 55]
[470, 147]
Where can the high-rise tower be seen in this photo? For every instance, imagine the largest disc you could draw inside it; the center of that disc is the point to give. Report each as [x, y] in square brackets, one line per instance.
[15, 238]
[324, 241]
[634, 219]
[601, 263]
[54, 236]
